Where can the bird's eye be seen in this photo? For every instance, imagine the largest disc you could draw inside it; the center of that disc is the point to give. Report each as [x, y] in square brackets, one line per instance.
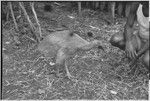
[41, 39]
[90, 34]
[100, 47]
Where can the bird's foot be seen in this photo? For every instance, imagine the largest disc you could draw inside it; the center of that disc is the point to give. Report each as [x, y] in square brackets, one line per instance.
[69, 76]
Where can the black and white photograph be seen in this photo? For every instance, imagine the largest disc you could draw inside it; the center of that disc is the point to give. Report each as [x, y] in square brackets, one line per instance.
[75, 50]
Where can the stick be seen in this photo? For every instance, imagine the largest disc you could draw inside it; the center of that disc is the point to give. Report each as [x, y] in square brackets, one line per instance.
[113, 4]
[37, 21]
[30, 23]
[79, 8]
[7, 13]
[12, 13]
[27, 17]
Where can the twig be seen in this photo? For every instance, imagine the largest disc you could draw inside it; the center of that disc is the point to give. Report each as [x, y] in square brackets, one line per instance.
[7, 14]
[58, 4]
[27, 17]
[30, 23]
[79, 8]
[37, 21]
[113, 4]
[14, 20]
[12, 13]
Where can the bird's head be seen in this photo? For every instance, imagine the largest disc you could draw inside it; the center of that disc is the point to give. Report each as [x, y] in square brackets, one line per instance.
[98, 44]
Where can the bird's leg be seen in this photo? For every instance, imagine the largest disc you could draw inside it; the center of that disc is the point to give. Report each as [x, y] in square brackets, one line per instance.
[68, 73]
[61, 57]
[57, 68]
[60, 71]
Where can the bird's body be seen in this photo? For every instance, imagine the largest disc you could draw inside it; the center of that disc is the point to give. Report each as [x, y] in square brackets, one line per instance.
[61, 39]
[63, 44]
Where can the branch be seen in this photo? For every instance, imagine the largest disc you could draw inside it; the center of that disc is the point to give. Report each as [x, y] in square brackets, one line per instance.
[37, 21]
[12, 13]
[113, 4]
[27, 17]
[7, 12]
[79, 8]
[30, 23]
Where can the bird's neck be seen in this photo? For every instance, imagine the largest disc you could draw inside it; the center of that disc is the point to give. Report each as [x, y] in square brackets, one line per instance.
[89, 46]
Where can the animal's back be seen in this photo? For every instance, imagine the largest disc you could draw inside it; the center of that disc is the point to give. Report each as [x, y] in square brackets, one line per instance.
[65, 39]
[53, 42]
[76, 41]
[61, 39]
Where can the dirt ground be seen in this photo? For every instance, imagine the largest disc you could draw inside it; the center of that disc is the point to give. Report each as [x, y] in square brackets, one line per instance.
[100, 75]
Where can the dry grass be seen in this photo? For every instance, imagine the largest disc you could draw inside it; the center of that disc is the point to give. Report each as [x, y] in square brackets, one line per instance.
[27, 74]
